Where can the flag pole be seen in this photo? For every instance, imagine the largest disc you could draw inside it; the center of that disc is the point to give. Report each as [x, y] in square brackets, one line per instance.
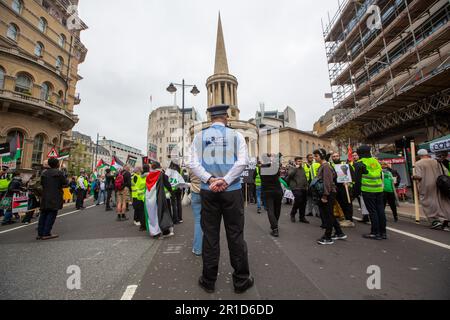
[416, 193]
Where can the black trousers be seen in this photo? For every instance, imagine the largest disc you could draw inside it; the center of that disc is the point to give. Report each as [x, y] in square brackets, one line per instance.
[139, 212]
[299, 203]
[136, 209]
[341, 198]
[46, 221]
[273, 203]
[389, 198]
[80, 198]
[230, 206]
[329, 221]
[375, 205]
[108, 198]
[177, 209]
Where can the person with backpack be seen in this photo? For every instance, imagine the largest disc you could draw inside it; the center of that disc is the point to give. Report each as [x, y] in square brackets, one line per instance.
[435, 203]
[123, 187]
[34, 187]
[15, 186]
[324, 193]
[272, 191]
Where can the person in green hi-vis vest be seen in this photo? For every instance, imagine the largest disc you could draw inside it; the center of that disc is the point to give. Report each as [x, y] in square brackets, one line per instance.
[369, 183]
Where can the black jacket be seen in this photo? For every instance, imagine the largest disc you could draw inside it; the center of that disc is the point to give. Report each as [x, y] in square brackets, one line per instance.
[53, 181]
[16, 185]
[109, 182]
[297, 179]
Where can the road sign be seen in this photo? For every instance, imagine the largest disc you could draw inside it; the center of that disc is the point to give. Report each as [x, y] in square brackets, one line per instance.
[53, 154]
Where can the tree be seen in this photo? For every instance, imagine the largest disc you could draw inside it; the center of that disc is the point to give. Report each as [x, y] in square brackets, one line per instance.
[348, 133]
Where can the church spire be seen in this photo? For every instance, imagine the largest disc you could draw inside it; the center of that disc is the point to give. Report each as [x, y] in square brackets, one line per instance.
[221, 64]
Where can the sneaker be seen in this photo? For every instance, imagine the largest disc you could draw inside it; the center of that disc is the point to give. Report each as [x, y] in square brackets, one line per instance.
[181, 221]
[347, 224]
[275, 233]
[259, 211]
[196, 253]
[248, 285]
[395, 219]
[436, 225]
[204, 286]
[303, 220]
[339, 237]
[325, 241]
[384, 236]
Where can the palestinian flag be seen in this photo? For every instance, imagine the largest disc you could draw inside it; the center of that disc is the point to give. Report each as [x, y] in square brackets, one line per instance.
[15, 150]
[116, 164]
[101, 164]
[157, 214]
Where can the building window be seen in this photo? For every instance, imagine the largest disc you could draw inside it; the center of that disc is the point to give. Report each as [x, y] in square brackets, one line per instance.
[307, 147]
[2, 77]
[59, 63]
[62, 40]
[42, 25]
[38, 149]
[313, 146]
[17, 6]
[13, 32]
[23, 84]
[39, 49]
[60, 98]
[46, 89]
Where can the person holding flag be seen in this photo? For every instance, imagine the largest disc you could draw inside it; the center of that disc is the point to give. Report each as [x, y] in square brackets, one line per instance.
[158, 218]
[175, 180]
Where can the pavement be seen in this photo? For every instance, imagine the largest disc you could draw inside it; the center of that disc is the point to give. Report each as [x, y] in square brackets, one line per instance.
[116, 261]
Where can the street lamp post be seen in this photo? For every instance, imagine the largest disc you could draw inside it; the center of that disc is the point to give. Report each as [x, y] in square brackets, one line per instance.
[172, 89]
[96, 149]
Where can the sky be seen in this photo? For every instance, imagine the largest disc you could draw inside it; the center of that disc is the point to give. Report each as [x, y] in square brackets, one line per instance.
[138, 47]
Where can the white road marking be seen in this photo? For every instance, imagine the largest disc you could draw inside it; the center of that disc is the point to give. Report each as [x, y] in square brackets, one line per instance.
[411, 235]
[29, 225]
[129, 292]
[439, 244]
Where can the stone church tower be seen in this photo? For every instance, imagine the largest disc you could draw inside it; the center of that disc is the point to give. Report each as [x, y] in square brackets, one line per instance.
[222, 86]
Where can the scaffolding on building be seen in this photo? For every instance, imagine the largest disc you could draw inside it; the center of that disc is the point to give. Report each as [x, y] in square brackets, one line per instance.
[387, 55]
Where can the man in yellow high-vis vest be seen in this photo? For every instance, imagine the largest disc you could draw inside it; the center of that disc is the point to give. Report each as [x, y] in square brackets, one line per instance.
[369, 183]
[311, 169]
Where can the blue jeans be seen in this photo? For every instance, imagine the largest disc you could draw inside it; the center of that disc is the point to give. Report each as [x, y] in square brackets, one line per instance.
[8, 216]
[101, 196]
[198, 233]
[259, 198]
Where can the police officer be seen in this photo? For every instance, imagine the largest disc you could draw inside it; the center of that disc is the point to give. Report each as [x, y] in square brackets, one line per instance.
[369, 183]
[218, 157]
